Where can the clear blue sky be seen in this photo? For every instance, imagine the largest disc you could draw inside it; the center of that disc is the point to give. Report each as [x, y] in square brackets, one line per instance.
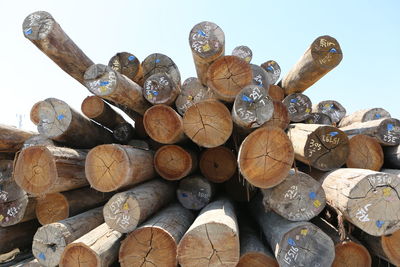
[368, 32]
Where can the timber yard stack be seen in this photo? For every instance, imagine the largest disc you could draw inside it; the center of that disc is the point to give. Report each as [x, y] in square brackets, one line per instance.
[231, 168]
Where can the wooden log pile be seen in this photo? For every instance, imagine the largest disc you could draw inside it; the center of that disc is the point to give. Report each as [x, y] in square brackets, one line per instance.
[229, 168]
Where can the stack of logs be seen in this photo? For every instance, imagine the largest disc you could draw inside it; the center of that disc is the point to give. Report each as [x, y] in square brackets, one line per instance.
[232, 168]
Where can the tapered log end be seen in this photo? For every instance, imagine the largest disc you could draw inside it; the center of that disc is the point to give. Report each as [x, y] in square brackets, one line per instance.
[52, 208]
[79, 254]
[92, 106]
[218, 164]
[55, 117]
[38, 25]
[207, 40]
[255, 259]
[173, 162]
[100, 79]
[326, 52]
[35, 170]
[352, 254]
[148, 245]
[391, 247]
[365, 153]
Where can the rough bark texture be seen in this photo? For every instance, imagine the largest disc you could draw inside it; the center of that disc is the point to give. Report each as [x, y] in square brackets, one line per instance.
[276, 92]
[128, 65]
[208, 123]
[364, 153]
[213, 238]
[41, 170]
[280, 117]
[265, 157]
[227, 76]
[243, 52]
[125, 210]
[318, 118]
[322, 147]
[98, 248]
[332, 108]
[273, 70]
[322, 56]
[207, 42]
[392, 156]
[44, 32]
[110, 167]
[12, 139]
[17, 236]
[155, 242]
[364, 115]
[298, 198]
[50, 240]
[298, 105]
[195, 192]
[218, 164]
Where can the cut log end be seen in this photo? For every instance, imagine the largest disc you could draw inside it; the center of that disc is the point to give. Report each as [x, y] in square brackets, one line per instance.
[79, 254]
[280, 117]
[159, 88]
[173, 162]
[318, 118]
[218, 164]
[100, 79]
[55, 117]
[195, 192]
[243, 52]
[349, 253]
[255, 259]
[273, 70]
[38, 25]
[299, 106]
[276, 93]
[92, 106]
[333, 109]
[391, 247]
[326, 52]
[34, 114]
[52, 208]
[128, 65]
[207, 40]
[192, 92]
[365, 153]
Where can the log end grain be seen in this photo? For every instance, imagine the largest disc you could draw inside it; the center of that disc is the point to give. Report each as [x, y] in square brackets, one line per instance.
[349, 253]
[243, 52]
[160, 88]
[79, 254]
[280, 117]
[391, 247]
[260, 77]
[273, 70]
[100, 79]
[326, 52]
[299, 106]
[365, 153]
[172, 162]
[38, 25]
[93, 106]
[55, 117]
[256, 259]
[34, 114]
[128, 65]
[218, 164]
[318, 118]
[195, 192]
[192, 92]
[52, 208]
[333, 109]
[207, 40]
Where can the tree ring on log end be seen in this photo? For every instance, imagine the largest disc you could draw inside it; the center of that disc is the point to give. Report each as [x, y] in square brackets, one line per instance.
[326, 52]
[38, 25]
[93, 106]
[218, 164]
[206, 39]
[52, 208]
[391, 247]
[54, 117]
[172, 162]
[349, 253]
[158, 88]
[79, 254]
[125, 63]
[100, 79]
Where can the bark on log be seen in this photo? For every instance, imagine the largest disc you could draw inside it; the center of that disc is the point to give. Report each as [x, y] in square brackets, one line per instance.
[110, 167]
[227, 76]
[155, 242]
[238, 189]
[128, 65]
[195, 192]
[260, 77]
[366, 198]
[44, 32]
[12, 139]
[294, 243]
[17, 236]
[364, 153]
[164, 125]
[392, 156]
[298, 198]
[60, 206]
[34, 114]
[159, 63]
[160, 88]
[299, 106]
[322, 56]
[364, 115]
[99, 248]
[41, 170]
[280, 117]
[63, 124]
[322, 147]
[386, 131]
[276, 93]
[207, 42]
[38, 140]
[192, 92]
[109, 84]
[125, 210]
[213, 238]
[318, 118]
[218, 164]
[96, 109]
[273, 70]
[124, 132]
[173, 162]
[265, 157]
[208, 123]
[332, 108]
[243, 52]
[252, 108]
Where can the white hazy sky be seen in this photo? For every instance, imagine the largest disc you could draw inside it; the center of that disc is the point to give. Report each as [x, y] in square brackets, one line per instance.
[368, 31]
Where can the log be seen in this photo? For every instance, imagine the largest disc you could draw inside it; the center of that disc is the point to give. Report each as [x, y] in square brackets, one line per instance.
[293, 243]
[41, 170]
[392, 156]
[227, 75]
[332, 108]
[276, 93]
[30, 262]
[61, 123]
[60, 206]
[173, 162]
[208, 123]
[195, 192]
[38, 140]
[9, 190]
[298, 198]
[17, 211]
[96, 109]
[218, 164]
[280, 117]
[265, 157]
[238, 189]
[12, 139]
[50, 240]
[364, 115]
[260, 77]
[322, 56]
[34, 114]
[192, 92]
[366, 198]
[164, 125]
[17, 236]
[126, 210]
[124, 132]
[109, 84]
[99, 247]
[213, 238]
[318, 118]
[243, 52]
[273, 70]
[160, 88]
[128, 65]
[252, 108]
[364, 153]
[158, 63]
[110, 167]
[349, 252]
[207, 42]
[299, 106]
[43, 31]
[386, 131]
[156, 241]
[320, 146]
